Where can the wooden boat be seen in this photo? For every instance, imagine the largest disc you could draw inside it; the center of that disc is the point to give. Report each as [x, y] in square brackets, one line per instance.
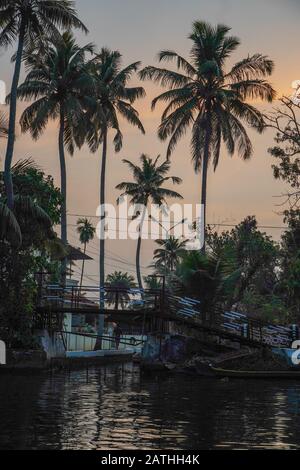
[257, 374]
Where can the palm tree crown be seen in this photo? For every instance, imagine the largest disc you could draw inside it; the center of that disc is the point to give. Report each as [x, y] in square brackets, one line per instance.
[58, 82]
[122, 282]
[59, 85]
[29, 22]
[113, 97]
[36, 19]
[203, 94]
[149, 182]
[86, 230]
[208, 99]
[148, 185]
[169, 254]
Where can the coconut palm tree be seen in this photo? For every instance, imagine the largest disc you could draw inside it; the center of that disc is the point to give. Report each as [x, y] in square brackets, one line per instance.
[211, 101]
[28, 22]
[113, 99]
[86, 232]
[153, 282]
[25, 208]
[148, 186]
[59, 85]
[123, 282]
[9, 227]
[167, 257]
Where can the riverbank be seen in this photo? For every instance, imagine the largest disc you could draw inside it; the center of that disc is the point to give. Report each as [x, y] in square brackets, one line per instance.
[179, 354]
[36, 361]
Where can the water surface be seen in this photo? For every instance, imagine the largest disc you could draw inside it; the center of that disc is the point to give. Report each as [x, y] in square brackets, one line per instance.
[116, 408]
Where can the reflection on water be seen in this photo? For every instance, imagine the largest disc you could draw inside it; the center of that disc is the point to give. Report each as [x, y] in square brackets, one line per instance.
[114, 408]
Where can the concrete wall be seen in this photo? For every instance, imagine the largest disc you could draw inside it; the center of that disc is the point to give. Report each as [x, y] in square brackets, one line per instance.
[52, 344]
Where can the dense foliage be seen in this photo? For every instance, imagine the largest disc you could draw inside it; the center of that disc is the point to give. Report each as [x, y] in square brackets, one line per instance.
[20, 262]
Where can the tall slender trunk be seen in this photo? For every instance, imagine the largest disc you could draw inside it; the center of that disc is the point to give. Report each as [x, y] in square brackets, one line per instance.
[138, 251]
[82, 269]
[204, 177]
[102, 238]
[63, 175]
[12, 119]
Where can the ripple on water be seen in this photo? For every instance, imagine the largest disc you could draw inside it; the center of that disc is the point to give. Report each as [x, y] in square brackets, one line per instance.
[117, 409]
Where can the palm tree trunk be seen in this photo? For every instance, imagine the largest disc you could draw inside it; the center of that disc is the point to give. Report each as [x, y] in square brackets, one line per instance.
[102, 238]
[63, 174]
[82, 270]
[138, 251]
[204, 178]
[12, 119]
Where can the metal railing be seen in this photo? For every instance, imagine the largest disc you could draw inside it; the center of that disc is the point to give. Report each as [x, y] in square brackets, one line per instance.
[55, 300]
[232, 323]
[90, 298]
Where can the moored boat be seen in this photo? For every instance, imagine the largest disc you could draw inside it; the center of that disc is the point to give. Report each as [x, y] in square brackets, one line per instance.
[256, 374]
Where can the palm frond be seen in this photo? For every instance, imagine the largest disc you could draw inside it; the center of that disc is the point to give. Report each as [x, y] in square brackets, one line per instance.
[253, 89]
[181, 62]
[21, 167]
[252, 67]
[164, 77]
[24, 206]
[9, 228]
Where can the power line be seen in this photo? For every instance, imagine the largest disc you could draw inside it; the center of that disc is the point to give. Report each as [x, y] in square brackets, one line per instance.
[277, 227]
[115, 256]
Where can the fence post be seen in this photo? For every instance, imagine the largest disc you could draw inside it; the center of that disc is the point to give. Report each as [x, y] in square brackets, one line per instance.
[245, 330]
[294, 332]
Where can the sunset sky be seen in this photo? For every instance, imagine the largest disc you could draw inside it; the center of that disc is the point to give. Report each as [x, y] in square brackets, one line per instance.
[139, 29]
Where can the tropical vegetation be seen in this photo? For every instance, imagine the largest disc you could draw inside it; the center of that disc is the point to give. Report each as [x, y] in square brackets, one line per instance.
[113, 99]
[28, 245]
[58, 85]
[89, 95]
[208, 99]
[123, 282]
[148, 187]
[86, 231]
[29, 22]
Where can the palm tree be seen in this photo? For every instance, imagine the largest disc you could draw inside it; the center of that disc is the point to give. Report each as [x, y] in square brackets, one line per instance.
[212, 102]
[153, 282]
[123, 282]
[167, 257]
[86, 232]
[25, 208]
[114, 99]
[148, 186]
[9, 227]
[59, 84]
[28, 22]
